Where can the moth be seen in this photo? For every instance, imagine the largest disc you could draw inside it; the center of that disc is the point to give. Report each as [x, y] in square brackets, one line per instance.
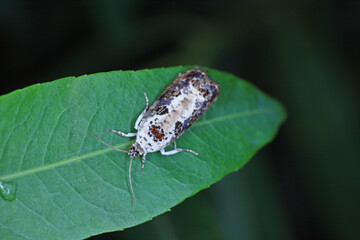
[183, 102]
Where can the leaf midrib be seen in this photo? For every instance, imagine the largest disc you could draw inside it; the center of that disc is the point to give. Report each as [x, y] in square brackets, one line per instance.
[105, 150]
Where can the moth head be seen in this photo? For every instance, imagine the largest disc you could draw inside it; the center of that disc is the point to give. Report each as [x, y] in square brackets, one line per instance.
[134, 151]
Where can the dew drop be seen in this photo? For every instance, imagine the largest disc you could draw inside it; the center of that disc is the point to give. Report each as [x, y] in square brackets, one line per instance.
[8, 191]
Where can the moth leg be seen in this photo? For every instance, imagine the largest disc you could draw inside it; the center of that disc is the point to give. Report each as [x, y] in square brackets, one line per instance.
[122, 134]
[177, 150]
[138, 120]
[143, 160]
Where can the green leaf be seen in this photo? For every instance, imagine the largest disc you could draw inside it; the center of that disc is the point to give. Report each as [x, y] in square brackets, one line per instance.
[71, 186]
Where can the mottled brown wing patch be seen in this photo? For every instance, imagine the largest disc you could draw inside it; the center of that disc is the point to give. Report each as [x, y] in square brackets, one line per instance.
[161, 110]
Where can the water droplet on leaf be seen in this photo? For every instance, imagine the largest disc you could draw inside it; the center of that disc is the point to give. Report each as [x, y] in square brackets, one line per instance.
[8, 191]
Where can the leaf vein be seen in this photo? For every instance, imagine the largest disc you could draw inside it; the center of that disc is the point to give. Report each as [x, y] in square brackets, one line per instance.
[103, 180]
[51, 136]
[15, 232]
[79, 194]
[59, 163]
[29, 140]
[37, 214]
[57, 205]
[105, 150]
[12, 129]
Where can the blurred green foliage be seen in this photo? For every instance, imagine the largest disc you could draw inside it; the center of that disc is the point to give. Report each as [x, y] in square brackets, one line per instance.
[304, 185]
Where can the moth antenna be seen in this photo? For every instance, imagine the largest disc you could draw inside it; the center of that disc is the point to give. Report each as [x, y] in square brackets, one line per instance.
[120, 150]
[131, 181]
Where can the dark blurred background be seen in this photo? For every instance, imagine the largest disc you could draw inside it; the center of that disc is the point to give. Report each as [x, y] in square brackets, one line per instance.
[305, 184]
